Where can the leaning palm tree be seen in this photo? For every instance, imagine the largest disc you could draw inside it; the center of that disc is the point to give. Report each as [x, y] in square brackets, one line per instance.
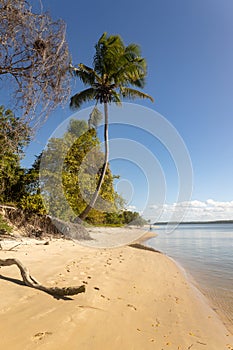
[115, 68]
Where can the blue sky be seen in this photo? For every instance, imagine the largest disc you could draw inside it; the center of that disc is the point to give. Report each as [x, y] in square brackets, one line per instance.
[189, 50]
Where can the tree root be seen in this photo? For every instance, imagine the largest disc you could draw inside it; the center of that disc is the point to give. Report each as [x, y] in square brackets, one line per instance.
[33, 283]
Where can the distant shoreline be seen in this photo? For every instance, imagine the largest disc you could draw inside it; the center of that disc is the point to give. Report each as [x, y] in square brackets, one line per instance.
[193, 222]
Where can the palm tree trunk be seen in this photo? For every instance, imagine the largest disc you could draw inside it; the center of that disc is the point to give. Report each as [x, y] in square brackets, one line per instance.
[91, 204]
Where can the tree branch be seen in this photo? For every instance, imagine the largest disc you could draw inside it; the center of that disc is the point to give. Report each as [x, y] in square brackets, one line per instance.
[33, 283]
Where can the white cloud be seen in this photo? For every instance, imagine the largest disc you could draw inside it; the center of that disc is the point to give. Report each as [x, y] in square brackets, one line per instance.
[195, 210]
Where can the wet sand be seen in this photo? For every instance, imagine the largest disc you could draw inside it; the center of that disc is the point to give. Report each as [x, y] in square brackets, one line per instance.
[222, 302]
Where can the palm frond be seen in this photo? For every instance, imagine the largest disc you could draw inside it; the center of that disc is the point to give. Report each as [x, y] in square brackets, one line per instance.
[102, 39]
[91, 71]
[134, 49]
[131, 71]
[86, 74]
[139, 83]
[115, 66]
[133, 94]
[95, 117]
[78, 99]
[116, 98]
[108, 49]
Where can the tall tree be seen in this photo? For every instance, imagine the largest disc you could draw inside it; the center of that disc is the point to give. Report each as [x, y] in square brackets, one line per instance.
[116, 67]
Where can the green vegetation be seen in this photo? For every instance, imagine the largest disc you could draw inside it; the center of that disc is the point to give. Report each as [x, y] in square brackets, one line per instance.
[79, 155]
[14, 135]
[4, 226]
[133, 218]
[78, 174]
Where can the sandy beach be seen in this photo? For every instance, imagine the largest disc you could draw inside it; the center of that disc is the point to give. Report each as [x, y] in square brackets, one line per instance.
[134, 299]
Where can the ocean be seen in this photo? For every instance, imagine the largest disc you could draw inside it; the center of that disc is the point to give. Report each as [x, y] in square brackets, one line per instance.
[206, 252]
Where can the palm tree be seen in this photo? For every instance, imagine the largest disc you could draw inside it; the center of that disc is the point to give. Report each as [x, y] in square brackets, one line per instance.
[115, 68]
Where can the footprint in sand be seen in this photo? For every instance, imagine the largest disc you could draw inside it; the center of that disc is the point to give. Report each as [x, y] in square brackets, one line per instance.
[41, 335]
[104, 297]
[157, 324]
[132, 306]
[67, 268]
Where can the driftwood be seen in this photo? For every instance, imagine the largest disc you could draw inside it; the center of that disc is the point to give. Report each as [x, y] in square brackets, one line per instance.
[12, 248]
[33, 283]
[7, 207]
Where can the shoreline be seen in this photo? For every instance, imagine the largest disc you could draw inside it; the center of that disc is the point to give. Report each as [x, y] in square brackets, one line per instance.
[135, 299]
[204, 294]
[147, 235]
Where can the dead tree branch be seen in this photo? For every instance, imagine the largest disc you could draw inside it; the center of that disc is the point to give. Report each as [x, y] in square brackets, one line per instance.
[34, 56]
[33, 283]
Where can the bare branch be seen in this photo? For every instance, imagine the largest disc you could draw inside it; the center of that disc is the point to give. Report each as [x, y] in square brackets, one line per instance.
[33, 283]
[34, 52]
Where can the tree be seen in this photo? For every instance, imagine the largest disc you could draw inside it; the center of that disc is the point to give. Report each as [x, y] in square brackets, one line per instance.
[14, 135]
[133, 218]
[115, 68]
[30, 199]
[60, 165]
[59, 169]
[81, 171]
[34, 56]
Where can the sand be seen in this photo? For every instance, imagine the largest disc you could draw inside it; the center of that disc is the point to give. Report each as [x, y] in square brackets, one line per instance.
[111, 237]
[134, 299]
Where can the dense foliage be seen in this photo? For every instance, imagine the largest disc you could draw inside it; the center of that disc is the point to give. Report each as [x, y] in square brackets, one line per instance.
[68, 179]
[14, 135]
[69, 170]
[4, 226]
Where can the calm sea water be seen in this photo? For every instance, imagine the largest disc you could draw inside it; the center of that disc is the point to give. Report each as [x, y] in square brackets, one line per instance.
[206, 252]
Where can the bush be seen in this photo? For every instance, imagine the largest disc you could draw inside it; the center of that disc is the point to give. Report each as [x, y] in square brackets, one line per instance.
[4, 226]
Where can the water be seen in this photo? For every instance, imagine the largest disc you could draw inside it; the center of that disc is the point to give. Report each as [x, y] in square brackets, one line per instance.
[206, 251]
